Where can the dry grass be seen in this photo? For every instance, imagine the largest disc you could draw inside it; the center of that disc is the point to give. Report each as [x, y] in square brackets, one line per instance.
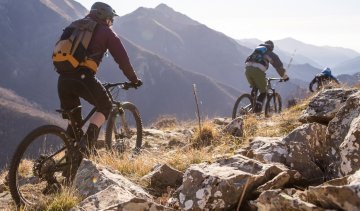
[25, 168]
[206, 137]
[65, 200]
[133, 167]
[165, 122]
[182, 159]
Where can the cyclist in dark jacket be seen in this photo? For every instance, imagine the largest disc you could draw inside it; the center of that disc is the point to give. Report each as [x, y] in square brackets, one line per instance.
[257, 64]
[323, 78]
[82, 82]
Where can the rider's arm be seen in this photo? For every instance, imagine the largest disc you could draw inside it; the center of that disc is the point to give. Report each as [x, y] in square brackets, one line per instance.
[312, 83]
[277, 64]
[120, 55]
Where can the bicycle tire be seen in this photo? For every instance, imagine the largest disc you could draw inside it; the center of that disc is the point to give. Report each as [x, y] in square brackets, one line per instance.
[242, 106]
[20, 154]
[273, 105]
[112, 121]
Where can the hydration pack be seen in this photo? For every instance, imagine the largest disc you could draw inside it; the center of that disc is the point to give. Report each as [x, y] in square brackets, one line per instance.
[70, 51]
[258, 55]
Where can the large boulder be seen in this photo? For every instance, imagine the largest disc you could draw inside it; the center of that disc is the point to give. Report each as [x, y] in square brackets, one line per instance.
[219, 186]
[102, 187]
[301, 150]
[342, 139]
[305, 151]
[324, 105]
[350, 149]
[338, 194]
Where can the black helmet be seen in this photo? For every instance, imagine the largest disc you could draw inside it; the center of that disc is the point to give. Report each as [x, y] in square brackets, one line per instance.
[270, 44]
[102, 11]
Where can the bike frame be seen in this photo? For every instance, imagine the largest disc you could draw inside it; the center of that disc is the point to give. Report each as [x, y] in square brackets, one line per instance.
[269, 90]
[116, 104]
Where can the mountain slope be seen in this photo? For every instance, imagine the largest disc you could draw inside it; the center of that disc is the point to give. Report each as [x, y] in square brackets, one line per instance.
[323, 55]
[348, 67]
[167, 88]
[32, 75]
[189, 44]
[18, 117]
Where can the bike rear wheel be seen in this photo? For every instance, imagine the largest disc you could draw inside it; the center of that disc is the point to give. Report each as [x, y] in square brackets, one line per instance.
[37, 165]
[124, 129]
[243, 106]
[273, 105]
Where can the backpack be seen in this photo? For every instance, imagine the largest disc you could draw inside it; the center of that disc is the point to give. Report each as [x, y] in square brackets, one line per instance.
[258, 55]
[70, 50]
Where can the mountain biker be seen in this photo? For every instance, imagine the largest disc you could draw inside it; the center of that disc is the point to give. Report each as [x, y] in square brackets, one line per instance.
[82, 82]
[323, 78]
[255, 70]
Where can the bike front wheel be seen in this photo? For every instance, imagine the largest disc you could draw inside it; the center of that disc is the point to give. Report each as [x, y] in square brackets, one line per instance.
[36, 169]
[273, 105]
[124, 128]
[243, 106]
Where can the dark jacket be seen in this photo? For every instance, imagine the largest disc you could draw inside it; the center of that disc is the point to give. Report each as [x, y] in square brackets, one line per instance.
[269, 57]
[103, 39]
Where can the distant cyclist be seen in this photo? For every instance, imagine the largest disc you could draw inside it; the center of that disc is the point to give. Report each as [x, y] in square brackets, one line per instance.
[322, 79]
[255, 70]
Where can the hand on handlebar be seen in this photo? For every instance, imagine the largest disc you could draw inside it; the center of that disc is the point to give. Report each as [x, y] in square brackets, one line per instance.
[285, 78]
[138, 83]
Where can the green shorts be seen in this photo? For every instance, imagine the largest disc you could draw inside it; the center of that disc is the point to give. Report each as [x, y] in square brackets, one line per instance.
[256, 78]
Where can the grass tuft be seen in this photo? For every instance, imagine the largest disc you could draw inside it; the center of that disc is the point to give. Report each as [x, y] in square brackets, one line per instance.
[206, 137]
[65, 200]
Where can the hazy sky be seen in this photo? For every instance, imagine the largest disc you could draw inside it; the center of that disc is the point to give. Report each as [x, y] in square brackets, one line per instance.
[318, 22]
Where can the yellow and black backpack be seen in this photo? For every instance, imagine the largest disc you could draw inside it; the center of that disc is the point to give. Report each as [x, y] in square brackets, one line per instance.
[70, 50]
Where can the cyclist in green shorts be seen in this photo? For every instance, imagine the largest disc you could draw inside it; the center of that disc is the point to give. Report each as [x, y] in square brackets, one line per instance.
[255, 70]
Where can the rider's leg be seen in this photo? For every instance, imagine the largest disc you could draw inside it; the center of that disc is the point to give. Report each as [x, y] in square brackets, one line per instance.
[75, 127]
[94, 92]
[92, 133]
[259, 102]
[260, 82]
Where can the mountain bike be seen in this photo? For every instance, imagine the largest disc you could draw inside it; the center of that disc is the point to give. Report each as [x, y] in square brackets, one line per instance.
[48, 158]
[245, 104]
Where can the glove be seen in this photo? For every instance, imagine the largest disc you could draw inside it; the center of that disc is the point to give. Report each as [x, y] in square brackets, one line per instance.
[285, 78]
[138, 83]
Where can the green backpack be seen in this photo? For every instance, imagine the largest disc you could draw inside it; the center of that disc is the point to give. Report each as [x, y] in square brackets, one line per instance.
[70, 51]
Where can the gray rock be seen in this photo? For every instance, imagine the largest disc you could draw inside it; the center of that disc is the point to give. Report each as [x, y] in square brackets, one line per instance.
[218, 186]
[235, 127]
[342, 139]
[340, 194]
[324, 105]
[163, 176]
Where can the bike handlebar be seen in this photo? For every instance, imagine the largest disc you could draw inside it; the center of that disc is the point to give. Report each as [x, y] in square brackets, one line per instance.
[123, 85]
[275, 79]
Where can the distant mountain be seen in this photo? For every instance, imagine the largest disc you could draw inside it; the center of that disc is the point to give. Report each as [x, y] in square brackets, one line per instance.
[34, 26]
[349, 80]
[323, 55]
[167, 88]
[29, 30]
[18, 117]
[348, 67]
[187, 43]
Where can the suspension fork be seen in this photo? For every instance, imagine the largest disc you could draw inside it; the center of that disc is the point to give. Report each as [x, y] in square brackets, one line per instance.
[118, 107]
